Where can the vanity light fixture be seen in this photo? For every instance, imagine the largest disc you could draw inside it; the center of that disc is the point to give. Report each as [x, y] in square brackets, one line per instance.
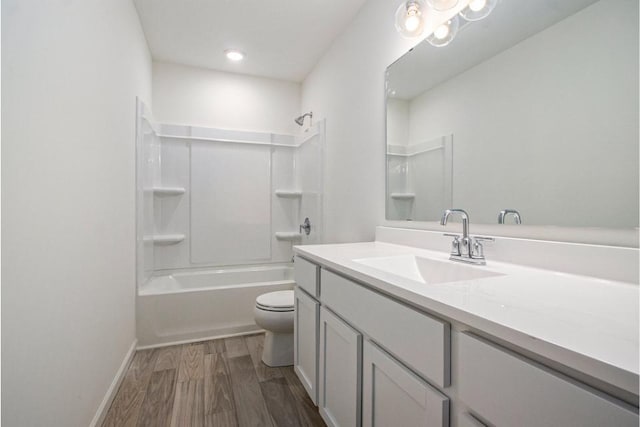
[234, 55]
[410, 18]
[441, 5]
[444, 33]
[478, 9]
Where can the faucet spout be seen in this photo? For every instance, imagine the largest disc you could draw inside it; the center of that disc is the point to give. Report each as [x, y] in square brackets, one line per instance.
[505, 212]
[465, 220]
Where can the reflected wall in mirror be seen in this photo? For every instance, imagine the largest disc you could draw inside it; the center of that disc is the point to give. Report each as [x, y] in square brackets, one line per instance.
[538, 106]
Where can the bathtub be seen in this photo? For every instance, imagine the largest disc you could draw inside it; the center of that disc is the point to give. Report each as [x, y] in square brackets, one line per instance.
[188, 306]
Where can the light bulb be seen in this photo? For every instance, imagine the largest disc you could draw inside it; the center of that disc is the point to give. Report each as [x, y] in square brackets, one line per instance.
[412, 23]
[478, 9]
[442, 31]
[409, 18]
[477, 5]
[442, 5]
[234, 55]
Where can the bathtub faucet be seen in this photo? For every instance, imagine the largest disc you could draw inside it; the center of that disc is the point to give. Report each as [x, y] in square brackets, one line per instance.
[306, 226]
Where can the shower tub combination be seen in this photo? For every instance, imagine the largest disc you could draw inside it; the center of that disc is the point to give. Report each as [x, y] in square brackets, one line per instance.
[217, 217]
[188, 306]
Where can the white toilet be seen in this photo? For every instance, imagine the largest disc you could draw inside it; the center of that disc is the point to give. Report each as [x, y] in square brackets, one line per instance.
[274, 313]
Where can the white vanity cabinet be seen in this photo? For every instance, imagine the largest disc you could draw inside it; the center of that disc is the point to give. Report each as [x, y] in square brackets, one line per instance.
[339, 376]
[347, 312]
[383, 362]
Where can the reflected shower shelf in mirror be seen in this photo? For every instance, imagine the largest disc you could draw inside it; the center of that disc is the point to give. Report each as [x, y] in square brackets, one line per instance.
[168, 191]
[289, 194]
[403, 196]
[165, 239]
[288, 236]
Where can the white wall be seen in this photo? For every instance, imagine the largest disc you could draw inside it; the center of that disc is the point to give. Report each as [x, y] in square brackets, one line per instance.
[71, 71]
[199, 97]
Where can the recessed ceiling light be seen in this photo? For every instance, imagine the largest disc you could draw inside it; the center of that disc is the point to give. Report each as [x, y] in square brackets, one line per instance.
[234, 55]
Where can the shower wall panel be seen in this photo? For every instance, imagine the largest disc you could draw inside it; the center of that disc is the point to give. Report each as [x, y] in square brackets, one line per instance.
[230, 203]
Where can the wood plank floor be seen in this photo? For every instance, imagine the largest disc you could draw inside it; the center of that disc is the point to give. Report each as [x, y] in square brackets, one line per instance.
[212, 383]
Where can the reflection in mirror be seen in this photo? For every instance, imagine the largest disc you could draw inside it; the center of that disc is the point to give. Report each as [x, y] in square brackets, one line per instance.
[535, 108]
[419, 178]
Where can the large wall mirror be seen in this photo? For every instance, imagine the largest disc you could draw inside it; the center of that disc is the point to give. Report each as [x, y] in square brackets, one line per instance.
[534, 108]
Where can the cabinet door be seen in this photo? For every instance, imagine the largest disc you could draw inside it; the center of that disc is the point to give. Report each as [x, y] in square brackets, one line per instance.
[393, 395]
[340, 356]
[306, 336]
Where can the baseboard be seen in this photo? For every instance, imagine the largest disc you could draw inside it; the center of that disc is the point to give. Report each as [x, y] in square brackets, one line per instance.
[101, 413]
[214, 337]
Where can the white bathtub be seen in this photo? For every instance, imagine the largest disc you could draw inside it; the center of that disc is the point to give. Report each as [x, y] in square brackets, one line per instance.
[189, 306]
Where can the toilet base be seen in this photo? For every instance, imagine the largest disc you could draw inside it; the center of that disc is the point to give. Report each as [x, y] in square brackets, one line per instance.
[278, 349]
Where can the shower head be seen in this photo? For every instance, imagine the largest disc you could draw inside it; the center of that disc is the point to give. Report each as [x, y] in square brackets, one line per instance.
[300, 120]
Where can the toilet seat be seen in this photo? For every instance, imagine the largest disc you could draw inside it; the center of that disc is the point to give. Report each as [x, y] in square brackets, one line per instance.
[280, 301]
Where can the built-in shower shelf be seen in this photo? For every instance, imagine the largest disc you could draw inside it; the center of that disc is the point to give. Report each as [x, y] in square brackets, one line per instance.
[403, 196]
[168, 191]
[289, 194]
[288, 236]
[165, 239]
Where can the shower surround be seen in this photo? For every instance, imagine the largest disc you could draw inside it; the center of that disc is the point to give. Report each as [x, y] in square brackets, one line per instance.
[214, 203]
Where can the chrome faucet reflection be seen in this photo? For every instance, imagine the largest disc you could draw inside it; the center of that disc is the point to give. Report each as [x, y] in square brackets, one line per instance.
[465, 248]
[506, 212]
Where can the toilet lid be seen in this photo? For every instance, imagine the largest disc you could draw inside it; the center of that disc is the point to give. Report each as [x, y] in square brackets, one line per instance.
[276, 301]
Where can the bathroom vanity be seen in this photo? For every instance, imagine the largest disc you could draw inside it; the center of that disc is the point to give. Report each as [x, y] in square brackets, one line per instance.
[389, 334]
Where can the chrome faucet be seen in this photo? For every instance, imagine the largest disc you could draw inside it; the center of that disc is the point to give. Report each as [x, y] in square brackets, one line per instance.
[465, 248]
[505, 212]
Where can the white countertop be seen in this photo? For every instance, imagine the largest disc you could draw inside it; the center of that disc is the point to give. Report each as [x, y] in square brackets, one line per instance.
[587, 324]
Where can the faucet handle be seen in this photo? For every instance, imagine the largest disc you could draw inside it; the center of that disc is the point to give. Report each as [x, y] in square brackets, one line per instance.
[455, 244]
[477, 250]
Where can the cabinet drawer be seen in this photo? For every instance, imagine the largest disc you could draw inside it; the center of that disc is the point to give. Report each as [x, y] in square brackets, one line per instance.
[307, 275]
[392, 395]
[420, 341]
[507, 389]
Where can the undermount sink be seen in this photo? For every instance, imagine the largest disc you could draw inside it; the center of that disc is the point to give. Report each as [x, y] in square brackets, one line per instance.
[425, 270]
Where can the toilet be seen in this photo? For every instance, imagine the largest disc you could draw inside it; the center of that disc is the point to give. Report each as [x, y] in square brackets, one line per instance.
[274, 313]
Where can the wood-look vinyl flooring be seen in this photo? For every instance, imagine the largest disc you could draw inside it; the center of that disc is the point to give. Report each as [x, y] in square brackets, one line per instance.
[212, 383]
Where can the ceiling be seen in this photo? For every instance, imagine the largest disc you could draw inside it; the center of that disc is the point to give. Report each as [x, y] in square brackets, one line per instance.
[282, 39]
